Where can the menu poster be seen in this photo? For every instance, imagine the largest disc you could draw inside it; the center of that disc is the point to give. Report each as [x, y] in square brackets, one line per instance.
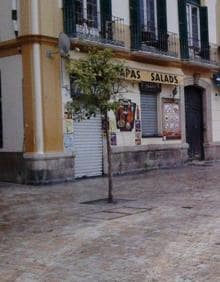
[171, 119]
[125, 115]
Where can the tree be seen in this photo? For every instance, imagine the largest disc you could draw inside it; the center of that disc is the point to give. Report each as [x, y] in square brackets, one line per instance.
[96, 83]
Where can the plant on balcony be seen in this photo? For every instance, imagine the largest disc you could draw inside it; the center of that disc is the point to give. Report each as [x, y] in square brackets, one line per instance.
[96, 86]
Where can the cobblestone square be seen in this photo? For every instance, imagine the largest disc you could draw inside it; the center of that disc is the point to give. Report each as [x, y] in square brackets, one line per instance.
[168, 229]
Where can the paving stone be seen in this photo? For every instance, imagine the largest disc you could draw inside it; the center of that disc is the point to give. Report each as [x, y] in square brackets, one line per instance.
[128, 210]
[169, 231]
[106, 215]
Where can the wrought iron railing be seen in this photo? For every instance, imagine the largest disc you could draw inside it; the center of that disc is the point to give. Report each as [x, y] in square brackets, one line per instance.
[165, 43]
[100, 28]
[197, 50]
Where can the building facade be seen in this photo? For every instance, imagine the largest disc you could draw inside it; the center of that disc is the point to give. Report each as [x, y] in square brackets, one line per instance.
[170, 108]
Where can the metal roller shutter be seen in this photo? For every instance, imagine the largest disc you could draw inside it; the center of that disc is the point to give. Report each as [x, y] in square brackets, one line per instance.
[149, 114]
[88, 147]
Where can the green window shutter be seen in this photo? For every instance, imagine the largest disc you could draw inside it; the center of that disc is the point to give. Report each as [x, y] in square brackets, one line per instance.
[204, 30]
[106, 18]
[162, 25]
[69, 17]
[135, 24]
[184, 50]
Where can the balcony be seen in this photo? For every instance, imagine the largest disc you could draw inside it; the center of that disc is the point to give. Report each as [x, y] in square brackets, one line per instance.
[198, 51]
[160, 43]
[99, 28]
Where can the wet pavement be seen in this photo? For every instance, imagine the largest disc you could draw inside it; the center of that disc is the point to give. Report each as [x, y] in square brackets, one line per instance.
[165, 226]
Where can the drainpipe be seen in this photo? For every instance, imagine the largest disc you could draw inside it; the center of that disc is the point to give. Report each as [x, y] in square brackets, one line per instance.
[39, 133]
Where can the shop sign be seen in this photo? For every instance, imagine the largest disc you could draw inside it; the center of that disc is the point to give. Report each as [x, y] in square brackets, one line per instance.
[150, 87]
[151, 76]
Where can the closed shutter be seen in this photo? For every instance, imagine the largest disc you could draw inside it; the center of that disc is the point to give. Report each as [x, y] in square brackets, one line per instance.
[88, 147]
[162, 25]
[204, 33]
[184, 50]
[149, 114]
[69, 17]
[106, 18]
[135, 24]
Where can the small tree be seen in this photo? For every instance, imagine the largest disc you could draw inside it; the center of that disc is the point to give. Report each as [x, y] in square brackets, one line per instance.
[96, 82]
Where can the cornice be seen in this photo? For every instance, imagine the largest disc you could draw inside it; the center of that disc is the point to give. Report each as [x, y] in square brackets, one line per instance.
[14, 47]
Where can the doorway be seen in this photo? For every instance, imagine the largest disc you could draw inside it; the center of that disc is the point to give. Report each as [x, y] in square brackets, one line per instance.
[194, 122]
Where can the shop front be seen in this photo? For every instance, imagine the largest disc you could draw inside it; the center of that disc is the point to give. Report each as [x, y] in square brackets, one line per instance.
[164, 119]
[147, 130]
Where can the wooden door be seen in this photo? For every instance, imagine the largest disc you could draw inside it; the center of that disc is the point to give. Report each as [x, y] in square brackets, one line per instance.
[194, 122]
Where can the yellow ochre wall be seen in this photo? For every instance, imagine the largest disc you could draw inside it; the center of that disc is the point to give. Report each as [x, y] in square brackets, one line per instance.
[28, 98]
[50, 21]
[51, 18]
[52, 109]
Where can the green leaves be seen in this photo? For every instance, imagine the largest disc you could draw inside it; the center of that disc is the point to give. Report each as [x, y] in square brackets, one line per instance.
[95, 83]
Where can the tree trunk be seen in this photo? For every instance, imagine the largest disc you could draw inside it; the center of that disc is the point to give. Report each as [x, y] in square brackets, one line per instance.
[109, 155]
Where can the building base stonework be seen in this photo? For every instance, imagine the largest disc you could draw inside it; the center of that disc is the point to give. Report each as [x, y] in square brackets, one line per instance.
[36, 169]
[48, 168]
[11, 167]
[136, 159]
[212, 151]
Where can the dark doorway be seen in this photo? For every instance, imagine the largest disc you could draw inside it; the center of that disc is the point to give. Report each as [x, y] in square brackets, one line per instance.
[194, 122]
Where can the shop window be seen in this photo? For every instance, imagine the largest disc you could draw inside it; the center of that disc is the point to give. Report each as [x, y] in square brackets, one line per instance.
[1, 133]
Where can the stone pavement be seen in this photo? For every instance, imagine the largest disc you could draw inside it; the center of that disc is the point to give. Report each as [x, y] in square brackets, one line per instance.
[164, 227]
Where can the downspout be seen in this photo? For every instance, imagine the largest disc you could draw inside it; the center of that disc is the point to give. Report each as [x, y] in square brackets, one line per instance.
[39, 132]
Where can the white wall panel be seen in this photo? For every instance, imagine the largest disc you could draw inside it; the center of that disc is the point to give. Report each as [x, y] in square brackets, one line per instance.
[6, 25]
[216, 117]
[172, 16]
[212, 21]
[12, 103]
[120, 8]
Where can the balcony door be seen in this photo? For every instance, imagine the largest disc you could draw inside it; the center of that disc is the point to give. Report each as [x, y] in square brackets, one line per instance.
[148, 20]
[149, 16]
[87, 17]
[193, 26]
